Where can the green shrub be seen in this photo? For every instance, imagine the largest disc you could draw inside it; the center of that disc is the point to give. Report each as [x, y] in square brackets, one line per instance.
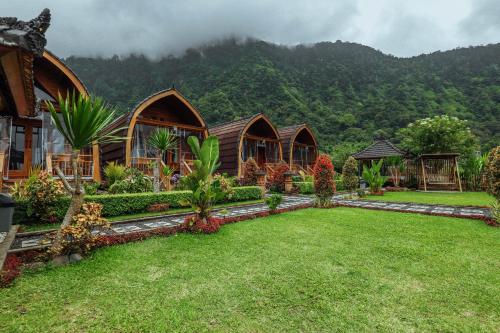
[134, 182]
[350, 175]
[305, 187]
[274, 201]
[130, 203]
[492, 173]
[91, 188]
[42, 193]
[339, 182]
[244, 193]
[226, 186]
[114, 172]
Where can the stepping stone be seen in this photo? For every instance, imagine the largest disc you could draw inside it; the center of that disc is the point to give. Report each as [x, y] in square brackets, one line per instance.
[30, 242]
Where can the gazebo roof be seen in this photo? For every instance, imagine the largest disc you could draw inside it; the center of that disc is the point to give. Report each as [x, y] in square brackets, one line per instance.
[379, 149]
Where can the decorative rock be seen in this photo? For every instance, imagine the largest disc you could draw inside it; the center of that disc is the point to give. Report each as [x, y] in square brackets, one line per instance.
[60, 260]
[75, 257]
[35, 265]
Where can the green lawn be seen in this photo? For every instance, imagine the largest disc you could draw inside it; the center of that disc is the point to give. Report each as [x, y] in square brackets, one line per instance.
[341, 269]
[441, 198]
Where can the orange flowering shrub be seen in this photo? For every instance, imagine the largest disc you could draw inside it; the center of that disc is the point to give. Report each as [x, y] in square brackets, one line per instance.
[43, 194]
[78, 237]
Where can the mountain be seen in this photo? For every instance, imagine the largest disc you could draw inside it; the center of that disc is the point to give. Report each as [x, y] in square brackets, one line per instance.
[347, 92]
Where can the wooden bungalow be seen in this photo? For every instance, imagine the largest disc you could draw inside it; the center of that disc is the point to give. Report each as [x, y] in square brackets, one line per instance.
[29, 76]
[164, 109]
[253, 136]
[300, 148]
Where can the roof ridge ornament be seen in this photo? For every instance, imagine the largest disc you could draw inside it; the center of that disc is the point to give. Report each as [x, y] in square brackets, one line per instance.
[28, 35]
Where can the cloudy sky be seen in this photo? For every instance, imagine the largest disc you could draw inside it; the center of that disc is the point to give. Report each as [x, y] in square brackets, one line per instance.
[156, 27]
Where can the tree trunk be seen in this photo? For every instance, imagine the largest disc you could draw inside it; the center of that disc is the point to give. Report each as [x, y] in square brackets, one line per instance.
[77, 197]
[156, 173]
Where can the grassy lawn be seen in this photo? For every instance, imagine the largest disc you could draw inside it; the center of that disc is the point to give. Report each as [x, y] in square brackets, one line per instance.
[342, 269]
[48, 226]
[441, 198]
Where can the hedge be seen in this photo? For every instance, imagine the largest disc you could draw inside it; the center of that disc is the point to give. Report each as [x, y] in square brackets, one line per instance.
[305, 187]
[244, 193]
[131, 203]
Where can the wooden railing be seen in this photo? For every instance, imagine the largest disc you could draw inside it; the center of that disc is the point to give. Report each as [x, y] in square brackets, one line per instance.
[307, 169]
[146, 165]
[85, 163]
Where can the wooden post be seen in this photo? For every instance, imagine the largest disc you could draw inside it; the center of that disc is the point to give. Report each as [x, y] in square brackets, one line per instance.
[261, 180]
[2, 164]
[458, 174]
[49, 163]
[288, 182]
[96, 163]
[423, 172]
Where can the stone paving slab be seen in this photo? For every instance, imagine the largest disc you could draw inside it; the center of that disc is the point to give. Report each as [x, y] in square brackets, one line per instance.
[32, 241]
[465, 211]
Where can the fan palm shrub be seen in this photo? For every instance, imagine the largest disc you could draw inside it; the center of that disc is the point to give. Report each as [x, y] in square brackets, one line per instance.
[82, 121]
[162, 140]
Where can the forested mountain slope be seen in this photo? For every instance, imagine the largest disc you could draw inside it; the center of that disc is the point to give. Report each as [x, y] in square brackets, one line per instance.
[345, 91]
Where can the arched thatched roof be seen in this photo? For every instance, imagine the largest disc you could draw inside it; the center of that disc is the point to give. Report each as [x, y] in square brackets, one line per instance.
[297, 133]
[231, 135]
[167, 107]
[53, 76]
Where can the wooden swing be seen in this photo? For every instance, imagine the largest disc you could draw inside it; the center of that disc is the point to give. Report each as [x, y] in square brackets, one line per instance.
[439, 172]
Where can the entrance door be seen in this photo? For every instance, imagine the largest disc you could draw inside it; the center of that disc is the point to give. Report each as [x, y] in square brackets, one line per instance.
[25, 149]
[261, 156]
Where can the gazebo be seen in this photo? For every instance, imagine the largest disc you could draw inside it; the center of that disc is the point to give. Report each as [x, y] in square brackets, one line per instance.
[378, 150]
[439, 171]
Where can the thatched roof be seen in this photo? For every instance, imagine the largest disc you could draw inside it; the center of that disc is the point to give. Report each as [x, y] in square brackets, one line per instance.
[379, 149]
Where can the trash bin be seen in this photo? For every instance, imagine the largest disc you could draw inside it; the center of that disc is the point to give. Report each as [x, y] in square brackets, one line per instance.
[7, 206]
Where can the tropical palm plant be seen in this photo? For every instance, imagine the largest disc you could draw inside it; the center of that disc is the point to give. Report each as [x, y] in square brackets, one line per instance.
[162, 140]
[373, 177]
[82, 121]
[206, 191]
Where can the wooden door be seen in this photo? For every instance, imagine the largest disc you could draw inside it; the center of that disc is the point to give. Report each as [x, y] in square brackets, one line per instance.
[261, 156]
[25, 149]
